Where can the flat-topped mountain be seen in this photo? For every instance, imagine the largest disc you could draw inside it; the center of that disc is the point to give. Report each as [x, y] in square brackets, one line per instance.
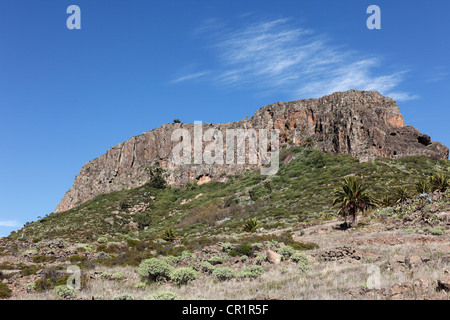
[364, 124]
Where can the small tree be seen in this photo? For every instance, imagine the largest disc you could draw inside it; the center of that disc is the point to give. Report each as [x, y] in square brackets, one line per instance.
[176, 121]
[144, 219]
[269, 187]
[157, 180]
[351, 198]
[252, 194]
[308, 142]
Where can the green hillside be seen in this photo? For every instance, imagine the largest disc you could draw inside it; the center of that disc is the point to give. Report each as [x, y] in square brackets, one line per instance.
[300, 192]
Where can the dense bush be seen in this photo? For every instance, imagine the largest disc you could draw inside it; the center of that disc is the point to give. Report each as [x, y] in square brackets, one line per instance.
[65, 292]
[143, 219]
[185, 255]
[215, 260]
[257, 246]
[183, 276]
[102, 240]
[260, 258]
[165, 295]
[124, 296]
[226, 246]
[302, 262]
[206, 267]
[243, 250]
[29, 270]
[77, 258]
[224, 273]
[101, 256]
[42, 285]
[252, 272]
[43, 259]
[286, 251]
[303, 246]
[5, 291]
[154, 269]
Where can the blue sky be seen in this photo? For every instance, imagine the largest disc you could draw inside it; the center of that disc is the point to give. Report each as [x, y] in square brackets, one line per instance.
[66, 96]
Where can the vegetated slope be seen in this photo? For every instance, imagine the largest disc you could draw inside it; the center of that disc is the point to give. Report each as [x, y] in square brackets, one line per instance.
[364, 124]
[301, 191]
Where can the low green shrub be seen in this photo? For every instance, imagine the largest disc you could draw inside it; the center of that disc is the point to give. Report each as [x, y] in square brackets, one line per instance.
[101, 256]
[206, 267]
[437, 231]
[252, 272]
[42, 285]
[224, 273]
[185, 255]
[226, 246]
[43, 259]
[257, 245]
[133, 242]
[124, 296]
[215, 260]
[299, 256]
[286, 251]
[243, 250]
[29, 270]
[303, 246]
[260, 258]
[165, 295]
[183, 276]
[118, 276]
[102, 240]
[65, 292]
[155, 269]
[77, 258]
[302, 261]
[5, 291]
[170, 260]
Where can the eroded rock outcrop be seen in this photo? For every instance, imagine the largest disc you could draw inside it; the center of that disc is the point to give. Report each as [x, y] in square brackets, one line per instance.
[365, 124]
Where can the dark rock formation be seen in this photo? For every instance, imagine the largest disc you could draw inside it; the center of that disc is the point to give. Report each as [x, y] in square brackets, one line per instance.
[365, 124]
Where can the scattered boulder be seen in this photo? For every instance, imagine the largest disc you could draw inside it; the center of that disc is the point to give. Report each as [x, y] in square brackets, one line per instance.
[413, 261]
[273, 257]
[444, 283]
[341, 253]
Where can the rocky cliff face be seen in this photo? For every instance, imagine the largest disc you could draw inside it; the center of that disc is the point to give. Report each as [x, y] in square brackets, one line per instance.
[364, 124]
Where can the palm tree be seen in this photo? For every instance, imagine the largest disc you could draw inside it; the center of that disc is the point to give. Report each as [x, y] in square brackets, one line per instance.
[402, 194]
[351, 198]
[386, 201]
[251, 225]
[439, 181]
[422, 186]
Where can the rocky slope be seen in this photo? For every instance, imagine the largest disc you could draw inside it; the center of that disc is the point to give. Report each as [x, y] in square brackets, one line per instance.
[396, 253]
[365, 124]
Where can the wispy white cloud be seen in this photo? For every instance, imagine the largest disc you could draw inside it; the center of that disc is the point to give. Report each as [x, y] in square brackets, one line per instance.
[277, 55]
[437, 74]
[190, 76]
[10, 224]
